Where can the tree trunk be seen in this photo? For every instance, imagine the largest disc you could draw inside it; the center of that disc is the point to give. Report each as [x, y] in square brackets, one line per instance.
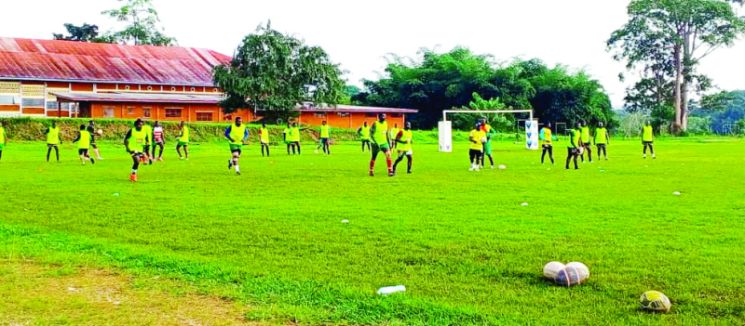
[684, 107]
[678, 88]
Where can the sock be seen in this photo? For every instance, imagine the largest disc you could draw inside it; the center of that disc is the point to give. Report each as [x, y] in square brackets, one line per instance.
[389, 164]
[372, 165]
[134, 171]
[237, 169]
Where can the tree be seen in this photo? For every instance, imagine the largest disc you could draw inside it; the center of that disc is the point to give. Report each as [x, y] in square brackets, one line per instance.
[669, 38]
[274, 72]
[465, 121]
[82, 33]
[141, 24]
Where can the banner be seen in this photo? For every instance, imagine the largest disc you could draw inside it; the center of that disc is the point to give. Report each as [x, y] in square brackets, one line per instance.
[445, 131]
[531, 134]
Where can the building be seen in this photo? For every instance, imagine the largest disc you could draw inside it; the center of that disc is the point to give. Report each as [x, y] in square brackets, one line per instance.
[51, 78]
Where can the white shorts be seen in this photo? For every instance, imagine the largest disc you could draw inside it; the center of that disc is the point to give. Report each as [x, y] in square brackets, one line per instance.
[410, 152]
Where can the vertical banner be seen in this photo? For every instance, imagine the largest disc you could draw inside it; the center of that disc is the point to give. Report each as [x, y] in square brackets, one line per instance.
[531, 134]
[445, 131]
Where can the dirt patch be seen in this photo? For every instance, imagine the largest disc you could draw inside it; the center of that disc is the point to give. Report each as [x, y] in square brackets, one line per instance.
[33, 293]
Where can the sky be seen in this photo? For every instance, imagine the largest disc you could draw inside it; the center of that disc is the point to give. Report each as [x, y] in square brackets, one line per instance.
[359, 35]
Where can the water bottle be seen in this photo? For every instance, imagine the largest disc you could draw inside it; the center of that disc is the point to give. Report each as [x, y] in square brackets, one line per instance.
[391, 290]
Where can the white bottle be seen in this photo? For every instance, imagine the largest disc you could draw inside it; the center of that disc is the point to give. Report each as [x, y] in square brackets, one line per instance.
[391, 290]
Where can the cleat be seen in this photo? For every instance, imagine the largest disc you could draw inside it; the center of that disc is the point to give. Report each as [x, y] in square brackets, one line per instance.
[372, 174]
[408, 172]
[133, 177]
[238, 172]
[390, 174]
[230, 163]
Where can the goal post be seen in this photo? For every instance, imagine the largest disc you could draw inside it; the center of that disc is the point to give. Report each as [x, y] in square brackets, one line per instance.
[445, 128]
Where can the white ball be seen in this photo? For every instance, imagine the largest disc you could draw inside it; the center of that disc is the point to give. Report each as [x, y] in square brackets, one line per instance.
[655, 301]
[502, 167]
[552, 269]
[677, 193]
[524, 204]
[582, 270]
[483, 140]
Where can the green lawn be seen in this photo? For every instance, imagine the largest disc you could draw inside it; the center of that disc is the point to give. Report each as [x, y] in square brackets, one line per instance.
[460, 241]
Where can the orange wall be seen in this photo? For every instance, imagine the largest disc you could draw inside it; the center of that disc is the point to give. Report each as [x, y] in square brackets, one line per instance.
[10, 108]
[353, 121]
[158, 111]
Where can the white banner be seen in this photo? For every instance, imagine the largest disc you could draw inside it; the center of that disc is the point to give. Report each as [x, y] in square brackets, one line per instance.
[445, 131]
[531, 134]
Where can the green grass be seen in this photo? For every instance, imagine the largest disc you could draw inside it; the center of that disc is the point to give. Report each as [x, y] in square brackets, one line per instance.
[461, 243]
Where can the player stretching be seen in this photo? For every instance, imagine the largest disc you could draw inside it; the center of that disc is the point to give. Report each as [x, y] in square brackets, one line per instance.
[237, 134]
[575, 146]
[380, 143]
[325, 135]
[84, 141]
[183, 141]
[586, 142]
[53, 140]
[404, 138]
[490, 132]
[134, 143]
[477, 138]
[264, 139]
[548, 146]
[92, 131]
[159, 141]
[602, 140]
[3, 140]
[648, 139]
[364, 133]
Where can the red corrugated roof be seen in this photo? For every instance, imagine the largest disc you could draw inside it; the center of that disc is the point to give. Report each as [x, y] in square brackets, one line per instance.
[139, 98]
[51, 60]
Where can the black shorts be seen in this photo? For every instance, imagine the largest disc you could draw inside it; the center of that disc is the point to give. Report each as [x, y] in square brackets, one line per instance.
[93, 145]
[586, 145]
[548, 146]
[146, 148]
[647, 142]
[137, 155]
[600, 145]
[324, 141]
[52, 145]
[83, 151]
[573, 151]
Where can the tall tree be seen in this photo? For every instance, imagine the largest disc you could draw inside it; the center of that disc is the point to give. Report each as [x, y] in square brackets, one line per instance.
[82, 33]
[274, 72]
[141, 24]
[671, 37]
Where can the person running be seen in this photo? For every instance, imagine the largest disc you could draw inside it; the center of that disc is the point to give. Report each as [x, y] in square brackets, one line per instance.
[380, 143]
[490, 132]
[574, 148]
[183, 141]
[404, 139]
[586, 142]
[364, 133]
[237, 134]
[325, 134]
[648, 139]
[53, 140]
[548, 146]
[134, 143]
[159, 141]
[264, 139]
[92, 130]
[602, 140]
[3, 139]
[84, 140]
[394, 133]
[477, 139]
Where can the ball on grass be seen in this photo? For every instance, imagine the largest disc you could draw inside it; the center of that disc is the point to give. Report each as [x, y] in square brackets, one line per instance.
[569, 276]
[582, 270]
[99, 132]
[502, 167]
[655, 301]
[552, 269]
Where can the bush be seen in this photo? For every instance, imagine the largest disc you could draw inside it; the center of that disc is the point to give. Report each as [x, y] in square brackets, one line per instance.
[631, 124]
[699, 125]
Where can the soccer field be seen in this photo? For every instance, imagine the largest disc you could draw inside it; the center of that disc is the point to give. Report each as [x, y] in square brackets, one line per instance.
[272, 241]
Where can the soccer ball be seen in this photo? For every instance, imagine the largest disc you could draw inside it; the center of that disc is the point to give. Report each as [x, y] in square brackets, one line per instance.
[581, 150]
[569, 276]
[552, 269]
[99, 132]
[655, 301]
[582, 270]
[502, 167]
[483, 140]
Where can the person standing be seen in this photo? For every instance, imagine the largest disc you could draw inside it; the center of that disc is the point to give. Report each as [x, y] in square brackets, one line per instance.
[134, 143]
[148, 142]
[602, 140]
[3, 139]
[159, 141]
[84, 140]
[477, 139]
[92, 131]
[237, 134]
[292, 138]
[404, 139]
[548, 146]
[380, 143]
[325, 135]
[648, 139]
[574, 148]
[586, 142]
[53, 140]
[489, 132]
[364, 133]
[183, 141]
[393, 134]
[264, 139]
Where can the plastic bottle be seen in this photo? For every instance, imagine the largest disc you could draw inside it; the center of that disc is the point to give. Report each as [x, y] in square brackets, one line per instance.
[391, 290]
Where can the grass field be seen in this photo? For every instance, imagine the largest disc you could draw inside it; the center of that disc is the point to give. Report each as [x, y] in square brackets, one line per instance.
[271, 241]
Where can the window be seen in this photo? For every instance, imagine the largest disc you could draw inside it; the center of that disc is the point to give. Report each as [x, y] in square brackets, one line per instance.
[173, 88]
[33, 102]
[215, 90]
[9, 100]
[146, 112]
[130, 110]
[370, 115]
[126, 88]
[343, 114]
[204, 116]
[150, 88]
[192, 89]
[319, 115]
[108, 111]
[173, 113]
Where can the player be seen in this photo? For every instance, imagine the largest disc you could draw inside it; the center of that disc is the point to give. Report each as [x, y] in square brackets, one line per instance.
[490, 132]
[648, 139]
[291, 135]
[93, 133]
[134, 143]
[586, 142]
[3, 139]
[159, 141]
[264, 139]
[575, 145]
[393, 134]
[237, 134]
[380, 143]
[148, 142]
[602, 140]
[404, 139]
[53, 140]
[84, 140]
[477, 139]
[364, 133]
[548, 146]
[183, 141]
[324, 134]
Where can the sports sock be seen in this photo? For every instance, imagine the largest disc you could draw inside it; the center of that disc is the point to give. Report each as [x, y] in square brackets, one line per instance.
[372, 165]
[389, 164]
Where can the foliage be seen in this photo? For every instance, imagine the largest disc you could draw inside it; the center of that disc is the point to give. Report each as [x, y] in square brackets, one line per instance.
[725, 109]
[666, 40]
[631, 124]
[699, 125]
[465, 121]
[274, 73]
[83, 33]
[448, 80]
[141, 24]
